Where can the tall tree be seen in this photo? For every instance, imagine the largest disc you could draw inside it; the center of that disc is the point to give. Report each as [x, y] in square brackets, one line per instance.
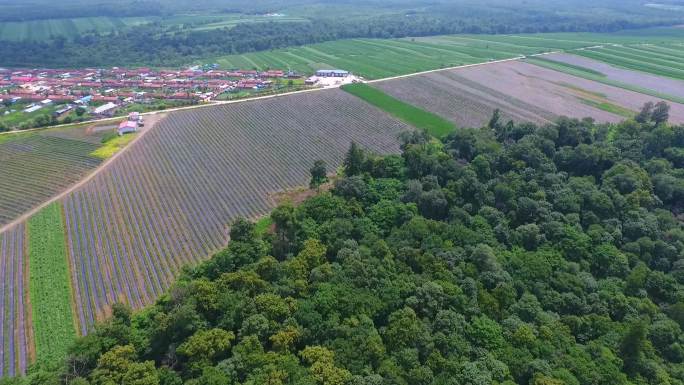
[319, 174]
[353, 161]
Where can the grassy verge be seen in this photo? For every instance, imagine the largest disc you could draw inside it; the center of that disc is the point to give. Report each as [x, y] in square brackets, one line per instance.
[587, 74]
[610, 107]
[112, 144]
[262, 226]
[50, 291]
[417, 117]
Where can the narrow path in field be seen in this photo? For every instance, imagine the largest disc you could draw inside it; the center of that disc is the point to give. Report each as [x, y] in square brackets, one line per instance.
[151, 121]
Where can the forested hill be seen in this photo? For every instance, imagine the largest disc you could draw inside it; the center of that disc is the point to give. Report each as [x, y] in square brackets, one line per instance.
[512, 255]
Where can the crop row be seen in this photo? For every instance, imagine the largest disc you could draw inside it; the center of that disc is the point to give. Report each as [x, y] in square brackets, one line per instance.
[36, 167]
[50, 290]
[14, 328]
[167, 201]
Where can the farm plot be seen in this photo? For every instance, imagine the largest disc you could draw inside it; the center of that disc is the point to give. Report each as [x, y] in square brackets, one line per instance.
[50, 289]
[15, 329]
[522, 91]
[167, 201]
[466, 103]
[40, 30]
[636, 57]
[667, 86]
[38, 165]
[379, 58]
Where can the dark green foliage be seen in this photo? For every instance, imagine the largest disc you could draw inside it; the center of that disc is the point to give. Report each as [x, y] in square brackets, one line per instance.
[536, 255]
[319, 174]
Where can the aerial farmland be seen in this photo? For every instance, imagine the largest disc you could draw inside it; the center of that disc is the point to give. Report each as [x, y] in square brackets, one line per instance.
[38, 165]
[522, 91]
[126, 231]
[167, 201]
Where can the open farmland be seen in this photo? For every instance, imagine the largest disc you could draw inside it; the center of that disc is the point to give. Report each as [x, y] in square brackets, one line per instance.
[666, 86]
[40, 30]
[14, 312]
[167, 200]
[522, 91]
[37, 165]
[663, 61]
[380, 58]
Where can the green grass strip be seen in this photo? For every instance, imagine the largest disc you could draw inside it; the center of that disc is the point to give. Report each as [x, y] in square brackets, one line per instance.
[435, 125]
[557, 66]
[610, 107]
[50, 285]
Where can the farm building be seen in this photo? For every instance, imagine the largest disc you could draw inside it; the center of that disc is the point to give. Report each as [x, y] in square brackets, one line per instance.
[127, 127]
[332, 73]
[106, 109]
[63, 111]
[33, 108]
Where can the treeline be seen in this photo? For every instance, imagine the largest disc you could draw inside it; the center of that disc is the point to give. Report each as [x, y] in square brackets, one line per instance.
[44, 9]
[159, 45]
[512, 254]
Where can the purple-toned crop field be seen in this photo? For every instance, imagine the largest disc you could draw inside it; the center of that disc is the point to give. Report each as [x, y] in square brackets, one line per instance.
[168, 200]
[14, 325]
[522, 91]
[656, 83]
[38, 165]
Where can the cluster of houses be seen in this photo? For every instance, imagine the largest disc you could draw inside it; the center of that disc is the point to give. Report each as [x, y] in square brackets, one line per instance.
[121, 85]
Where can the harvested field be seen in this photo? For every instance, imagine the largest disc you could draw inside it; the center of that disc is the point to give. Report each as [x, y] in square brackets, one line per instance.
[656, 83]
[167, 201]
[523, 92]
[37, 165]
[14, 312]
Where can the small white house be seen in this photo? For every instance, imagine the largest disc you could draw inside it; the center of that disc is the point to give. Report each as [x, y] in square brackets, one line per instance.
[127, 127]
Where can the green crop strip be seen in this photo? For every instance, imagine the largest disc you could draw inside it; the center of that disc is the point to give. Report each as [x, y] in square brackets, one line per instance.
[50, 291]
[435, 125]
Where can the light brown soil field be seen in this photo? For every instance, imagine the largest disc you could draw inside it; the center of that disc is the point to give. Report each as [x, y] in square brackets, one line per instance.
[660, 84]
[523, 92]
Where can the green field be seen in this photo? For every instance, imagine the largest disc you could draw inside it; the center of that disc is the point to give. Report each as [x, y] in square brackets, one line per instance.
[53, 322]
[636, 57]
[39, 30]
[380, 58]
[417, 117]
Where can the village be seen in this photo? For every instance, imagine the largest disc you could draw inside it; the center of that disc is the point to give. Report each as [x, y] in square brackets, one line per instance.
[40, 97]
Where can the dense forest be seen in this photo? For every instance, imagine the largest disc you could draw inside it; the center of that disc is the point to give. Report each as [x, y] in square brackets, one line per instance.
[161, 43]
[511, 254]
